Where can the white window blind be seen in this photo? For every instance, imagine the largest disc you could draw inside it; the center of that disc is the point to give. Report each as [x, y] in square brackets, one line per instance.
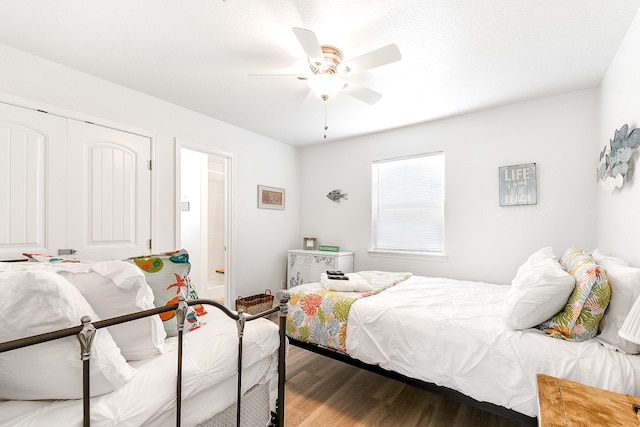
[408, 204]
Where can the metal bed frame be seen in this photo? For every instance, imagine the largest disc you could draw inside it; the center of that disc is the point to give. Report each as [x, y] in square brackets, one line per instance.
[86, 331]
[441, 390]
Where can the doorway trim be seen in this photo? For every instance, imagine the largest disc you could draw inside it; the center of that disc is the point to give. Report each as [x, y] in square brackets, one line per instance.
[229, 282]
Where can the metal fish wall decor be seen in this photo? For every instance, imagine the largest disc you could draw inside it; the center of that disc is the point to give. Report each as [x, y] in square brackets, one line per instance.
[336, 195]
[614, 167]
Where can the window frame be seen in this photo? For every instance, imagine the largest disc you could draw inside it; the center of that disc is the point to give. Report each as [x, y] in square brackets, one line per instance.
[374, 248]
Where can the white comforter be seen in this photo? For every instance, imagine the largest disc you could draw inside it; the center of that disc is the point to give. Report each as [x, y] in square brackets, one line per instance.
[209, 381]
[451, 333]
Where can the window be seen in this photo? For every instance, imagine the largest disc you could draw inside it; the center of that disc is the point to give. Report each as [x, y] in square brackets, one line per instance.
[407, 205]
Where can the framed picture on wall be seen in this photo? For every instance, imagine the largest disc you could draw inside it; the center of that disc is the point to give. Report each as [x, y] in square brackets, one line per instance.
[518, 185]
[270, 197]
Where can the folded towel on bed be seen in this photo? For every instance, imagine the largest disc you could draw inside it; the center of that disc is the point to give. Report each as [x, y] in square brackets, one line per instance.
[355, 283]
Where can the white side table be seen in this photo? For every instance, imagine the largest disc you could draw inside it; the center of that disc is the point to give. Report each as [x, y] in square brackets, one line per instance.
[305, 266]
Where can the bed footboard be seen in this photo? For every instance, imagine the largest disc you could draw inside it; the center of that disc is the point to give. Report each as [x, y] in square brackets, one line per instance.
[86, 332]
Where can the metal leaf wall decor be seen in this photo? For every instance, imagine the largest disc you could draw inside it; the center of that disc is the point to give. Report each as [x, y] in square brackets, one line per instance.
[614, 160]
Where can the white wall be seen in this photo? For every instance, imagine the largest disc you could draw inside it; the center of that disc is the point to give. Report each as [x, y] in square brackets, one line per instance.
[483, 241]
[562, 134]
[261, 237]
[192, 227]
[618, 223]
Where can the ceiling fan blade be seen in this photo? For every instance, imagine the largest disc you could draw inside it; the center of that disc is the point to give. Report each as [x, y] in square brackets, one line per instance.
[376, 58]
[305, 99]
[362, 93]
[310, 44]
[297, 75]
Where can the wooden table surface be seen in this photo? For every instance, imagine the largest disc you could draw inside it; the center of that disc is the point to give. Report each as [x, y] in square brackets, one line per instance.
[570, 404]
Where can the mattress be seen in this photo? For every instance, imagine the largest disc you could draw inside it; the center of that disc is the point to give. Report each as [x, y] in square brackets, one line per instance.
[210, 357]
[451, 333]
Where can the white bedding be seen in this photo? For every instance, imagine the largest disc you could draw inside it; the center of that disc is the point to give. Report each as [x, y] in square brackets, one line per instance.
[209, 381]
[451, 333]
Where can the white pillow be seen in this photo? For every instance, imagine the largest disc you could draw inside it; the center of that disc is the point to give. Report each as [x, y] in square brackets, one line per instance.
[114, 288]
[538, 256]
[538, 291]
[601, 258]
[625, 290]
[35, 302]
[354, 284]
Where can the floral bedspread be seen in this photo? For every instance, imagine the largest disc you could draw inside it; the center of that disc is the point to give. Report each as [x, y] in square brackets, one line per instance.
[319, 316]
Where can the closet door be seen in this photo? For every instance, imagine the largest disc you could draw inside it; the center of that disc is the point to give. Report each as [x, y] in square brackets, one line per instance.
[33, 167]
[109, 187]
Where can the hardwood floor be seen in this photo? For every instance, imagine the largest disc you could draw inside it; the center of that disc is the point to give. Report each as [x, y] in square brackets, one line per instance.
[325, 392]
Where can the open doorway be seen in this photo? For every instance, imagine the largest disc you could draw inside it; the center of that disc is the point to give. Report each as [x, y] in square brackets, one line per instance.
[204, 221]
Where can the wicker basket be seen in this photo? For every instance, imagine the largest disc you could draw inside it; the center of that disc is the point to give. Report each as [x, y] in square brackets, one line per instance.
[255, 304]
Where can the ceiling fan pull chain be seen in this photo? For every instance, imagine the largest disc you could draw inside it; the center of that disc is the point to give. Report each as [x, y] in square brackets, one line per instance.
[325, 121]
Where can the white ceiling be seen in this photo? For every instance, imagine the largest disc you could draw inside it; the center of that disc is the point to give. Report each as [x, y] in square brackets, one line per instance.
[457, 55]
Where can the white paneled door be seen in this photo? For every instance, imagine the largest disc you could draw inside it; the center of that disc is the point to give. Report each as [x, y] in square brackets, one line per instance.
[32, 161]
[109, 202]
[66, 184]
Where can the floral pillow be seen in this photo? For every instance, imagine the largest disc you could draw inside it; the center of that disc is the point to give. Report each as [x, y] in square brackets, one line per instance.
[168, 276]
[581, 316]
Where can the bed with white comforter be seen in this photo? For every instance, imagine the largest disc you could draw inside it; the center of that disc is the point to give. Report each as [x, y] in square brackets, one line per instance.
[452, 333]
[209, 381]
[485, 341]
[133, 365]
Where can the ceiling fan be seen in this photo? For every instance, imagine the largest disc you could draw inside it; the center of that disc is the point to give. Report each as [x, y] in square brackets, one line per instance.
[330, 75]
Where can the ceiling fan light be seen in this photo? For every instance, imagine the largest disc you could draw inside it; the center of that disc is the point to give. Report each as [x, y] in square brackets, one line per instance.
[325, 86]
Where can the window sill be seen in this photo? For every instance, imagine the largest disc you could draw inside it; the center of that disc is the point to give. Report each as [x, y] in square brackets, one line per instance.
[409, 255]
